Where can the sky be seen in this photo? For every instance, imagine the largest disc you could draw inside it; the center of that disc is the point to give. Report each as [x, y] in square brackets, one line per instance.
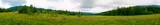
[78, 5]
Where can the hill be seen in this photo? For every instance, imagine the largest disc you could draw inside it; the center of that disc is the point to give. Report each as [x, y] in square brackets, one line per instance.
[14, 8]
[134, 10]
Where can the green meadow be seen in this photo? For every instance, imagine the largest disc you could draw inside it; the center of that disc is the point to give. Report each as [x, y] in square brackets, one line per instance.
[30, 15]
[14, 18]
[79, 12]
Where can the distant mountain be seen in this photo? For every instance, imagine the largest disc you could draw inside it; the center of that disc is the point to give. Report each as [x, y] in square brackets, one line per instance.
[13, 8]
[88, 13]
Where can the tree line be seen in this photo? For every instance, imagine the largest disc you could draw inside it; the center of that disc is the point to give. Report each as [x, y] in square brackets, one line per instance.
[5, 10]
[134, 10]
[31, 10]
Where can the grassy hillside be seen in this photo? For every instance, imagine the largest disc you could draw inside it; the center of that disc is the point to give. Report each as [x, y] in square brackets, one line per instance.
[13, 18]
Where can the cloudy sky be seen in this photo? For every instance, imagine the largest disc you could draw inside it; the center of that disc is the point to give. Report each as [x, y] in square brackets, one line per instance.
[78, 5]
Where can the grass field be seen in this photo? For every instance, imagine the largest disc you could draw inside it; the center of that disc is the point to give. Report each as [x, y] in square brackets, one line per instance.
[13, 18]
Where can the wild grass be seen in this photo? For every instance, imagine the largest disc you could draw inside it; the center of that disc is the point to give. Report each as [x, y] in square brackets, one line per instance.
[13, 18]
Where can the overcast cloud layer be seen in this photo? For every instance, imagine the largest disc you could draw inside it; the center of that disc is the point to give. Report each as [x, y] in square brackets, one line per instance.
[78, 5]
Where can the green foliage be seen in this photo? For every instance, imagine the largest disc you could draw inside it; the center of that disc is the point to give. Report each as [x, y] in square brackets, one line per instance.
[31, 10]
[27, 9]
[134, 10]
[49, 11]
[5, 10]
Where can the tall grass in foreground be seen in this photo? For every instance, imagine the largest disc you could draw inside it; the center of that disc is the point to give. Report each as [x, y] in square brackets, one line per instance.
[13, 18]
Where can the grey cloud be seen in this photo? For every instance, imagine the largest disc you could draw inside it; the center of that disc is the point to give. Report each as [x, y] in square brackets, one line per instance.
[76, 1]
[135, 2]
[13, 2]
[121, 3]
[54, 0]
[87, 4]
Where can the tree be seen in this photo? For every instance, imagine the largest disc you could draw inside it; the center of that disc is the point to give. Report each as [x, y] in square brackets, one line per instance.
[5, 10]
[27, 9]
[79, 14]
[134, 10]
[22, 9]
[1, 10]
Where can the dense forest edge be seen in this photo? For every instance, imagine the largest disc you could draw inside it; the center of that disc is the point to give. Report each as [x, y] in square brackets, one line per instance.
[133, 10]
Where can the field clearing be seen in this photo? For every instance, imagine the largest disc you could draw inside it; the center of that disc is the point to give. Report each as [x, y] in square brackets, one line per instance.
[12, 18]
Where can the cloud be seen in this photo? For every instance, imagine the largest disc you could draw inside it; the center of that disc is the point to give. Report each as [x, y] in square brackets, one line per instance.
[79, 5]
[13, 2]
[87, 4]
[113, 4]
[10, 3]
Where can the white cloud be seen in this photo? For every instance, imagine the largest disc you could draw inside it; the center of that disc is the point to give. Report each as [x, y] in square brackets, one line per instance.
[97, 9]
[4, 5]
[58, 4]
